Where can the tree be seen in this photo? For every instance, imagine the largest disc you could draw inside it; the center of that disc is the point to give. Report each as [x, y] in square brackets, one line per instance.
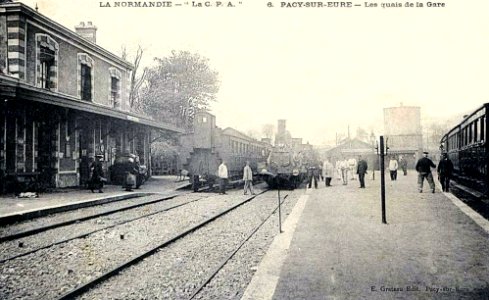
[253, 133]
[165, 149]
[177, 87]
[362, 134]
[164, 154]
[268, 130]
[136, 81]
[434, 132]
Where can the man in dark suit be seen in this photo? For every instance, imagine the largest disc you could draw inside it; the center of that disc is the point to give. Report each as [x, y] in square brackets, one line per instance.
[423, 166]
[361, 171]
[313, 173]
[445, 169]
[97, 174]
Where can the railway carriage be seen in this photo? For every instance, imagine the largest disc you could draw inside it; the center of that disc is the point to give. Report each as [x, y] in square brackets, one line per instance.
[467, 147]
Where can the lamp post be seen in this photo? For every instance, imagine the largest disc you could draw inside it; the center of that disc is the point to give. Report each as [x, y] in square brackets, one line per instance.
[382, 179]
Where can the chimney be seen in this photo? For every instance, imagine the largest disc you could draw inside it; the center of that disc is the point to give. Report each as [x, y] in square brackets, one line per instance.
[87, 31]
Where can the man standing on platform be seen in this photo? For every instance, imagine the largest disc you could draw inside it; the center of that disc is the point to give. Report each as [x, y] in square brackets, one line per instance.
[393, 165]
[248, 179]
[344, 171]
[352, 165]
[222, 173]
[97, 174]
[361, 171]
[328, 172]
[445, 169]
[423, 167]
[313, 174]
[403, 164]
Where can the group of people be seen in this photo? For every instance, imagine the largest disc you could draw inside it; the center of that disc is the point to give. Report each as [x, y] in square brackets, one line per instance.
[423, 166]
[352, 166]
[444, 171]
[344, 168]
[134, 178]
[394, 165]
[222, 174]
[315, 173]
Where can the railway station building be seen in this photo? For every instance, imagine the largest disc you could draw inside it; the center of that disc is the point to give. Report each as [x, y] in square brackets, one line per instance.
[63, 100]
[352, 148]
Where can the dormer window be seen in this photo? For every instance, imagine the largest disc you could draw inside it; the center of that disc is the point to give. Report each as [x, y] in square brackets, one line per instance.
[115, 88]
[85, 77]
[46, 62]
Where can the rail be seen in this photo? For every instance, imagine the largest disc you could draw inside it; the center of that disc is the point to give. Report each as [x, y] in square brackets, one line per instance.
[85, 287]
[103, 228]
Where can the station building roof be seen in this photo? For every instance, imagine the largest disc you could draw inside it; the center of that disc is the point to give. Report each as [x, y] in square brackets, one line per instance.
[13, 89]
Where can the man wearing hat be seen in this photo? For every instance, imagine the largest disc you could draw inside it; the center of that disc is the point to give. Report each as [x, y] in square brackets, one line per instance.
[423, 167]
[97, 174]
[445, 169]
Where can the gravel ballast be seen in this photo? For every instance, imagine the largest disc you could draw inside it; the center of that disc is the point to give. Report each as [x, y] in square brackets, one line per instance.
[51, 272]
[176, 271]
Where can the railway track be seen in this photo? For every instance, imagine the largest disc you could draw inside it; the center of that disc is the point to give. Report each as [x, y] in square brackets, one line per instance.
[478, 204]
[85, 287]
[221, 265]
[81, 219]
[39, 229]
[51, 271]
[194, 265]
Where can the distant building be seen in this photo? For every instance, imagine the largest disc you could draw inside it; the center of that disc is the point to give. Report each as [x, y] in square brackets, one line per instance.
[352, 148]
[402, 132]
[282, 136]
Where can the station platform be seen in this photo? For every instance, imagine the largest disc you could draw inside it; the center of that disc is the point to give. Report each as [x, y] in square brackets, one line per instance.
[335, 246]
[13, 208]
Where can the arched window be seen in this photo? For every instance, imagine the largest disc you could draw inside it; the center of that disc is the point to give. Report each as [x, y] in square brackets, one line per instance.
[46, 62]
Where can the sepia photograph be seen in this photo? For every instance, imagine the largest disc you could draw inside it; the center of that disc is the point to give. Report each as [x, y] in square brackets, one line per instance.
[242, 149]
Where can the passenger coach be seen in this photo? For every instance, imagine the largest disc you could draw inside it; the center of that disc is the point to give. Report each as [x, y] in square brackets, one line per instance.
[466, 146]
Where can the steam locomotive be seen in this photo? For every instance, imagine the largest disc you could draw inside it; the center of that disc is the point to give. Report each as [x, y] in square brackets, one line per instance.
[287, 165]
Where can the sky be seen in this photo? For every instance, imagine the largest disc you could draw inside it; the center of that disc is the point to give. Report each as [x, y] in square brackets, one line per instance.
[321, 69]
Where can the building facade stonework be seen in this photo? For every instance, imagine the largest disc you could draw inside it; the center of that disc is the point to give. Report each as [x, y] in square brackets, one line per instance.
[64, 99]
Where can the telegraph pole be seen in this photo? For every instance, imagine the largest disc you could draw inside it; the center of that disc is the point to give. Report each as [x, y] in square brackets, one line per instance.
[382, 179]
